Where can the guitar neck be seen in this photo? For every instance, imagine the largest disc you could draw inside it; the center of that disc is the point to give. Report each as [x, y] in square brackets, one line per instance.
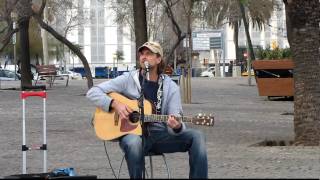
[164, 118]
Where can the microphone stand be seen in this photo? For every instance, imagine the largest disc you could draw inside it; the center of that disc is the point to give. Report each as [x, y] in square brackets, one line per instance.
[141, 107]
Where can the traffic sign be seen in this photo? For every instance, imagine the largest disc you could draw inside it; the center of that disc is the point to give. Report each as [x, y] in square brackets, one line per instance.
[201, 39]
[215, 43]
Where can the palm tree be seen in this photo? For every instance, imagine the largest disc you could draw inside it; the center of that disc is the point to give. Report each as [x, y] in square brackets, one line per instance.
[258, 13]
[118, 56]
[304, 38]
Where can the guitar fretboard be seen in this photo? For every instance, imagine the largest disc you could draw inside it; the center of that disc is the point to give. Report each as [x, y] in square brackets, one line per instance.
[164, 118]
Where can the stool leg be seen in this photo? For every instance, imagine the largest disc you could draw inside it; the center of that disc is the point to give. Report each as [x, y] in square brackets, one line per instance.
[165, 162]
[120, 166]
[151, 167]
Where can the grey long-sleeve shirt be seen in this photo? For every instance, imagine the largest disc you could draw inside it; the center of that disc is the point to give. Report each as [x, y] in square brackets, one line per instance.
[129, 86]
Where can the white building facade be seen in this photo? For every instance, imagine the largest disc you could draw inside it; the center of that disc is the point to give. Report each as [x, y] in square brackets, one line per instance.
[101, 37]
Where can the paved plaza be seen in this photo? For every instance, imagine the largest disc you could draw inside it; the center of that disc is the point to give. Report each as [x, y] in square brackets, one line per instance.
[243, 119]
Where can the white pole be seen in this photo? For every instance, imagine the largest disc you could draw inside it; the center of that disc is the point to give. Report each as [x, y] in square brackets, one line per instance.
[44, 136]
[223, 49]
[14, 50]
[24, 152]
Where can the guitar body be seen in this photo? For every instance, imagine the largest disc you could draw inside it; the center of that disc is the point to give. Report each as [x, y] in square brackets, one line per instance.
[107, 124]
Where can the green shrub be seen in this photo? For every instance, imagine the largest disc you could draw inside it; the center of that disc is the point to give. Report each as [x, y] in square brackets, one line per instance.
[276, 53]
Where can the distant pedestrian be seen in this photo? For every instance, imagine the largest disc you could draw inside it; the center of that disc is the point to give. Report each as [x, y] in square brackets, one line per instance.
[169, 70]
[230, 68]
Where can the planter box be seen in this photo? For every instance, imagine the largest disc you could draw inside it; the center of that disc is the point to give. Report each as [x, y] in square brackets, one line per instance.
[274, 77]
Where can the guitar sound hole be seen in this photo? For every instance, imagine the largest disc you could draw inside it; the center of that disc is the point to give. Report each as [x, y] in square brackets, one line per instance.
[134, 117]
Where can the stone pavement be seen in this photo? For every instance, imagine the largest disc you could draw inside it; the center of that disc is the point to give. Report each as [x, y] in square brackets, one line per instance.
[242, 120]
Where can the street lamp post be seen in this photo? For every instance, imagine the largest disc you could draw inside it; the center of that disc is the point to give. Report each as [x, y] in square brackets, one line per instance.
[114, 64]
[45, 38]
[14, 17]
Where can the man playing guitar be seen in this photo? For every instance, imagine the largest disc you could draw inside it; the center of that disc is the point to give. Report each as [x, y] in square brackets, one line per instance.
[164, 94]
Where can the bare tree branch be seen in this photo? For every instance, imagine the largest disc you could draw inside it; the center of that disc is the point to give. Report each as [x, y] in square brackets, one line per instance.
[73, 48]
[6, 40]
[43, 5]
[175, 46]
[176, 27]
[4, 29]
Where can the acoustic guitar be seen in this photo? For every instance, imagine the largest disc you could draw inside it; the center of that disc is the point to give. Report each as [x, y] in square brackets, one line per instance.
[108, 126]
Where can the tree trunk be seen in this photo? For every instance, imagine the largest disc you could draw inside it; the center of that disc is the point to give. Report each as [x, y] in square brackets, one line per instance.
[249, 44]
[73, 48]
[24, 14]
[236, 40]
[305, 43]
[140, 25]
[189, 50]
[246, 28]
[26, 77]
[288, 24]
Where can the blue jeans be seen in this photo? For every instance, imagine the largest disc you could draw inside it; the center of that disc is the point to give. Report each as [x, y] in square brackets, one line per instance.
[160, 141]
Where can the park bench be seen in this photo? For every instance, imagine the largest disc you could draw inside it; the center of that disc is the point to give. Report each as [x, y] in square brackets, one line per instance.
[49, 71]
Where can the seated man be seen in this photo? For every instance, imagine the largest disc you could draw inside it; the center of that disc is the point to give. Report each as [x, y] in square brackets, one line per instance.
[171, 136]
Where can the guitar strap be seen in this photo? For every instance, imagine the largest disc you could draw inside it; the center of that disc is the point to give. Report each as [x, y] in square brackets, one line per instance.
[159, 94]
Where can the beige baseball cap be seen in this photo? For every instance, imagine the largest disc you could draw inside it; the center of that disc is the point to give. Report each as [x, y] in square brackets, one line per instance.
[153, 47]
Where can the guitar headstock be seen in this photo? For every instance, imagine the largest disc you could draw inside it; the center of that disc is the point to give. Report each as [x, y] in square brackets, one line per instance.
[203, 119]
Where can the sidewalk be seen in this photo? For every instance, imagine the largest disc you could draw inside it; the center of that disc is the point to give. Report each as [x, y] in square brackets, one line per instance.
[242, 120]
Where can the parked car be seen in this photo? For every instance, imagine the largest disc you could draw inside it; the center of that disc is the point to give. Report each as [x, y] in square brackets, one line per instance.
[71, 74]
[16, 68]
[7, 75]
[246, 73]
[208, 73]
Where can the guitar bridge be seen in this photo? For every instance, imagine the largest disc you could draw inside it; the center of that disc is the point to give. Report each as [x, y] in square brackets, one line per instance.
[116, 119]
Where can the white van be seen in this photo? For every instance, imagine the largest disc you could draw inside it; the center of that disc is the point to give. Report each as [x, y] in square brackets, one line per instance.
[208, 73]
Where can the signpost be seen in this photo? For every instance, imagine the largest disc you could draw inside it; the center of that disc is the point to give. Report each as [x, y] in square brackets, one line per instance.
[14, 17]
[209, 41]
[201, 39]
